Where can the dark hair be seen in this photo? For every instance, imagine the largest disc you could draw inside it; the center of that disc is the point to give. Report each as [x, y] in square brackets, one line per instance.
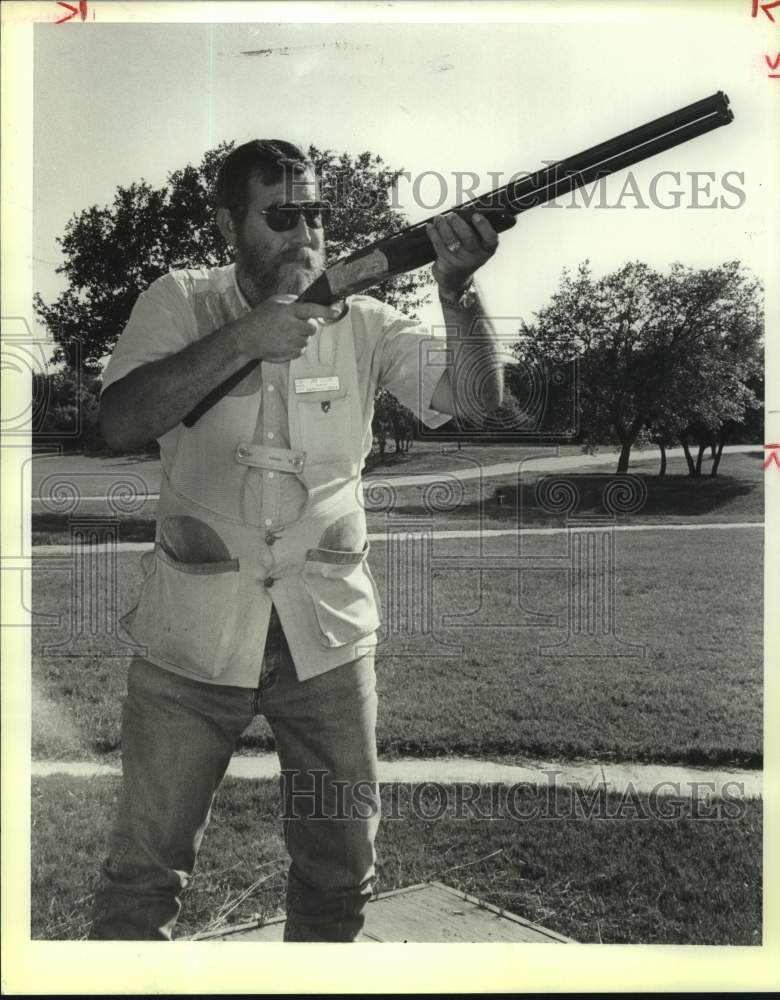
[268, 159]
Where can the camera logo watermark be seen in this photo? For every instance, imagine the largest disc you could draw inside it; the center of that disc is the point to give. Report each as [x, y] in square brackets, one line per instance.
[425, 572]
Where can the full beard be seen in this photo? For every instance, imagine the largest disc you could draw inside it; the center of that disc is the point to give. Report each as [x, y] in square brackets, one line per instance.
[287, 274]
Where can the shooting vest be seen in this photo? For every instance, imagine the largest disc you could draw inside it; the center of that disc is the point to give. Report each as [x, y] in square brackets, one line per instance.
[215, 571]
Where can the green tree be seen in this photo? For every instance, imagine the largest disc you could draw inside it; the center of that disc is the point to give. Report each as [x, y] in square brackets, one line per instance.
[392, 420]
[716, 378]
[67, 413]
[112, 253]
[649, 344]
[708, 403]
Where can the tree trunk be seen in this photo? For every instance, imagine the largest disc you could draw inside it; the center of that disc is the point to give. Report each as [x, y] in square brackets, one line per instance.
[687, 450]
[625, 453]
[699, 457]
[627, 436]
[723, 436]
[662, 447]
[713, 451]
[716, 460]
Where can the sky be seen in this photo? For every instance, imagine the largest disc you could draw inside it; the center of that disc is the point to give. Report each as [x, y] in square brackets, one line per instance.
[117, 102]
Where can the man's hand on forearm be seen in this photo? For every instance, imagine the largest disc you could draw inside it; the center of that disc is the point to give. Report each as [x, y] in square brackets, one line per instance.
[472, 387]
[154, 398]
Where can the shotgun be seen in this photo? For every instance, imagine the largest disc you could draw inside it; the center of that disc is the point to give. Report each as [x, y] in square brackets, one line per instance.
[410, 248]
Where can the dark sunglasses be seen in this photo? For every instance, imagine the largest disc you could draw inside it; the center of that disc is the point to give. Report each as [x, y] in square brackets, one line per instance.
[283, 218]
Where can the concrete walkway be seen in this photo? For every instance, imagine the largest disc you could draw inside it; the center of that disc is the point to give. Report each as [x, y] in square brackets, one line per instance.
[381, 536]
[663, 780]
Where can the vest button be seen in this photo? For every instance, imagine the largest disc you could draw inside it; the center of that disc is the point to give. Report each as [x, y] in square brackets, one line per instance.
[270, 538]
[268, 582]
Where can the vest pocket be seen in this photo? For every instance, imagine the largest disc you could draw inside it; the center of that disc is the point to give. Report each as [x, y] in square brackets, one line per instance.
[343, 594]
[325, 428]
[186, 613]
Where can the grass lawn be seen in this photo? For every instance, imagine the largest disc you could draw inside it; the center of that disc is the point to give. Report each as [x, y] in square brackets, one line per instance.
[476, 686]
[692, 598]
[512, 500]
[682, 880]
[95, 471]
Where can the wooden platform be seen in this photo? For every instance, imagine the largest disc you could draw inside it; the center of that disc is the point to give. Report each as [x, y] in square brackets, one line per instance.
[430, 912]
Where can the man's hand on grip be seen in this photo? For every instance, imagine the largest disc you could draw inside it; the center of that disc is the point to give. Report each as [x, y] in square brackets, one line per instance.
[278, 330]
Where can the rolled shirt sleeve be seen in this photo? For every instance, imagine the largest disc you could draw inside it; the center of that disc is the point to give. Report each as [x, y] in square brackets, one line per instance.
[161, 323]
[410, 362]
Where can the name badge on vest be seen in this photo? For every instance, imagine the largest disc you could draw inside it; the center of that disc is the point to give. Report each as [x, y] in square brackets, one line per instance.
[322, 385]
[318, 383]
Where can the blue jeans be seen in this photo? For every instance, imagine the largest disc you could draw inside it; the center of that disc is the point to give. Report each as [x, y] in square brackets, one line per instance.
[178, 736]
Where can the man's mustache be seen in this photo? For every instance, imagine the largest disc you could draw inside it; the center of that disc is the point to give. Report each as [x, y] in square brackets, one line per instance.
[307, 258]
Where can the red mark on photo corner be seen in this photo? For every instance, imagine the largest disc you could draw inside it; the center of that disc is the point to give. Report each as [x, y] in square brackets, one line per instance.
[773, 456]
[766, 7]
[773, 64]
[81, 10]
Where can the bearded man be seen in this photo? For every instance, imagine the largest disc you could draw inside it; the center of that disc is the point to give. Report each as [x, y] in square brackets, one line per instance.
[258, 597]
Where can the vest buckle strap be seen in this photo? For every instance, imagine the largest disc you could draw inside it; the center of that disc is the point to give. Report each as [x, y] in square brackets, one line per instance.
[259, 456]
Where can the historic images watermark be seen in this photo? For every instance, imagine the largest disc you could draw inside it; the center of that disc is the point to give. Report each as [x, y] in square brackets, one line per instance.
[312, 794]
[434, 191]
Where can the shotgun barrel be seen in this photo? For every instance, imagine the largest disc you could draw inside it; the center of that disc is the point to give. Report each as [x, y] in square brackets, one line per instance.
[411, 248]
